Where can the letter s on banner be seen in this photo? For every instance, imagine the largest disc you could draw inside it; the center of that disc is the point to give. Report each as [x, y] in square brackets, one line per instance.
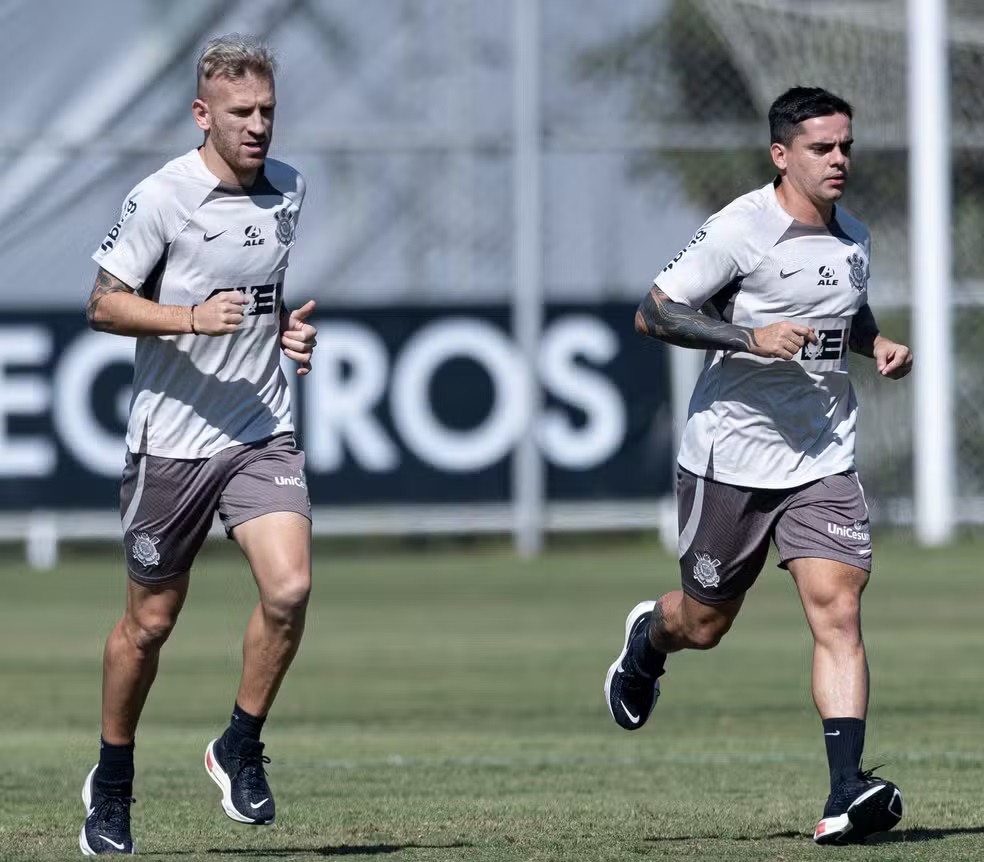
[476, 448]
[564, 444]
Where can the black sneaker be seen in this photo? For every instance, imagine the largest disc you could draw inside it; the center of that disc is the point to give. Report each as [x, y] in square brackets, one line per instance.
[246, 796]
[107, 821]
[631, 696]
[859, 807]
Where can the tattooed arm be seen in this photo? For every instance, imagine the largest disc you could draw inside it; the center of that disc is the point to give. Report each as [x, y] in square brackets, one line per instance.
[114, 307]
[676, 323]
[96, 309]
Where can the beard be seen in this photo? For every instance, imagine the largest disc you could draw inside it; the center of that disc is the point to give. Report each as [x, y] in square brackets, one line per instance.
[234, 154]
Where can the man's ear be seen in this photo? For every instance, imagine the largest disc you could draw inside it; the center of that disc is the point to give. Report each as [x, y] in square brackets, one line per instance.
[202, 115]
[778, 152]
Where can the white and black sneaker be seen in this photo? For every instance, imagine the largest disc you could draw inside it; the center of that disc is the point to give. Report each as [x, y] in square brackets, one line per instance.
[107, 821]
[246, 796]
[858, 807]
[631, 693]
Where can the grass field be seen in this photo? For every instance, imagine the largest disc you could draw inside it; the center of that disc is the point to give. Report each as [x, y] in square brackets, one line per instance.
[447, 705]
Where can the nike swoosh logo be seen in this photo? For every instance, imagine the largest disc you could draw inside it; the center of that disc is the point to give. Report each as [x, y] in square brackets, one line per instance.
[633, 718]
[835, 733]
[255, 805]
[119, 846]
[214, 235]
[787, 274]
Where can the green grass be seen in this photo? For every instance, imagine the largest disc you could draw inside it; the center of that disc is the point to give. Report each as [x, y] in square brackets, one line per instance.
[448, 706]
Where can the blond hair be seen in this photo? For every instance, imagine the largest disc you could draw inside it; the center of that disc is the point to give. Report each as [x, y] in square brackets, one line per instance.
[233, 56]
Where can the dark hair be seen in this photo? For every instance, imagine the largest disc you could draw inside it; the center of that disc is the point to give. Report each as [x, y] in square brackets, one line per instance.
[802, 103]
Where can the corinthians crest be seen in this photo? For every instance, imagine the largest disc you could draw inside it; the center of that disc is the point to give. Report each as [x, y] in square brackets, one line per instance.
[859, 272]
[285, 226]
[815, 351]
[705, 571]
[144, 549]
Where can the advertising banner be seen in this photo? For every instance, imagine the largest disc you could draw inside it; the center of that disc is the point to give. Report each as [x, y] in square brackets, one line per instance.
[405, 405]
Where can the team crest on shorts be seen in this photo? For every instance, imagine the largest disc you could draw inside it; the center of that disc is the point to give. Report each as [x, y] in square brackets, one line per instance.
[705, 571]
[144, 549]
[859, 272]
[285, 227]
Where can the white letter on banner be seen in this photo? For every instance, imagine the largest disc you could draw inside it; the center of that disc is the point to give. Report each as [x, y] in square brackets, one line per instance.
[348, 380]
[24, 395]
[565, 444]
[78, 366]
[476, 448]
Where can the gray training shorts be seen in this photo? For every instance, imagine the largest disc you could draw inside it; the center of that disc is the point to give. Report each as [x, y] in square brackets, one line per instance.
[167, 504]
[725, 530]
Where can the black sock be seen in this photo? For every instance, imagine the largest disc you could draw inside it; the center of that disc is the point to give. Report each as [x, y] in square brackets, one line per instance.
[115, 772]
[643, 656]
[243, 726]
[844, 738]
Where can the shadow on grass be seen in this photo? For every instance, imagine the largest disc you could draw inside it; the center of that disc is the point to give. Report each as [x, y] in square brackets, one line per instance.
[656, 839]
[335, 850]
[901, 836]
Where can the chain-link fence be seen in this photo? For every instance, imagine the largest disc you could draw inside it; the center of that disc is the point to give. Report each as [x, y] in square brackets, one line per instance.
[399, 112]
[692, 83]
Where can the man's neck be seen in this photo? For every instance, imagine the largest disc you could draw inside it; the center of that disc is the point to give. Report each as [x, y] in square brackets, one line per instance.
[801, 207]
[221, 169]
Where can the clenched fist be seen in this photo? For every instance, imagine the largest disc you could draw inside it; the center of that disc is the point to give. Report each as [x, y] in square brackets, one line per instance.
[782, 340]
[221, 314]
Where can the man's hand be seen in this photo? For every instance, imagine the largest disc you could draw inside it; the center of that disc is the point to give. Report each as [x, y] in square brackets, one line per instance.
[221, 314]
[782, 340]
[298, 337]
[893, 360]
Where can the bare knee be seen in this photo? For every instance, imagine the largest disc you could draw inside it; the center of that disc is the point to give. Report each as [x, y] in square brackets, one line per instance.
[285, 602]
[704, 634]
[705, 625]
[148, 629]
[838, 619]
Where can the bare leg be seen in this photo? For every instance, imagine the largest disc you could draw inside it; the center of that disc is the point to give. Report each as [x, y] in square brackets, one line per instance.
[278, 548]
[680, 622]
[132, 652]
[831, 595]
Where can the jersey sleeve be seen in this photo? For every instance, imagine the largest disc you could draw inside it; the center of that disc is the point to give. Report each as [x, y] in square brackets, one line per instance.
[720, 252]
[135, 244]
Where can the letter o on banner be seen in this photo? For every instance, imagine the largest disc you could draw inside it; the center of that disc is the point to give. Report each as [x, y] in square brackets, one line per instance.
[416, 422]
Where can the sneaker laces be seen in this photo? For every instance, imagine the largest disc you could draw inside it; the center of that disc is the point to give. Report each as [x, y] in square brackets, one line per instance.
[249, 757]
[634, 677]
[113, 809]
[869, 774]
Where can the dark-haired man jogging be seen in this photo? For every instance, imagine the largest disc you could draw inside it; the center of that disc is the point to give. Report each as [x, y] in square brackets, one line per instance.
[775, 288]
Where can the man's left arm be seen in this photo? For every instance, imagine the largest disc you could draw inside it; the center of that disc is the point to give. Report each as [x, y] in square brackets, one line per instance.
[893, 360]
[297, 336]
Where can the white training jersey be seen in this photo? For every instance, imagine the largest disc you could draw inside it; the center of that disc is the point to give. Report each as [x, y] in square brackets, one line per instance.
[183, 236]
[770, 423]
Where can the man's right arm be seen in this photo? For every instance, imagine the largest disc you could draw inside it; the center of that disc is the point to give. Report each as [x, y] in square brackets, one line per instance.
[115, 307]
[677, 323]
